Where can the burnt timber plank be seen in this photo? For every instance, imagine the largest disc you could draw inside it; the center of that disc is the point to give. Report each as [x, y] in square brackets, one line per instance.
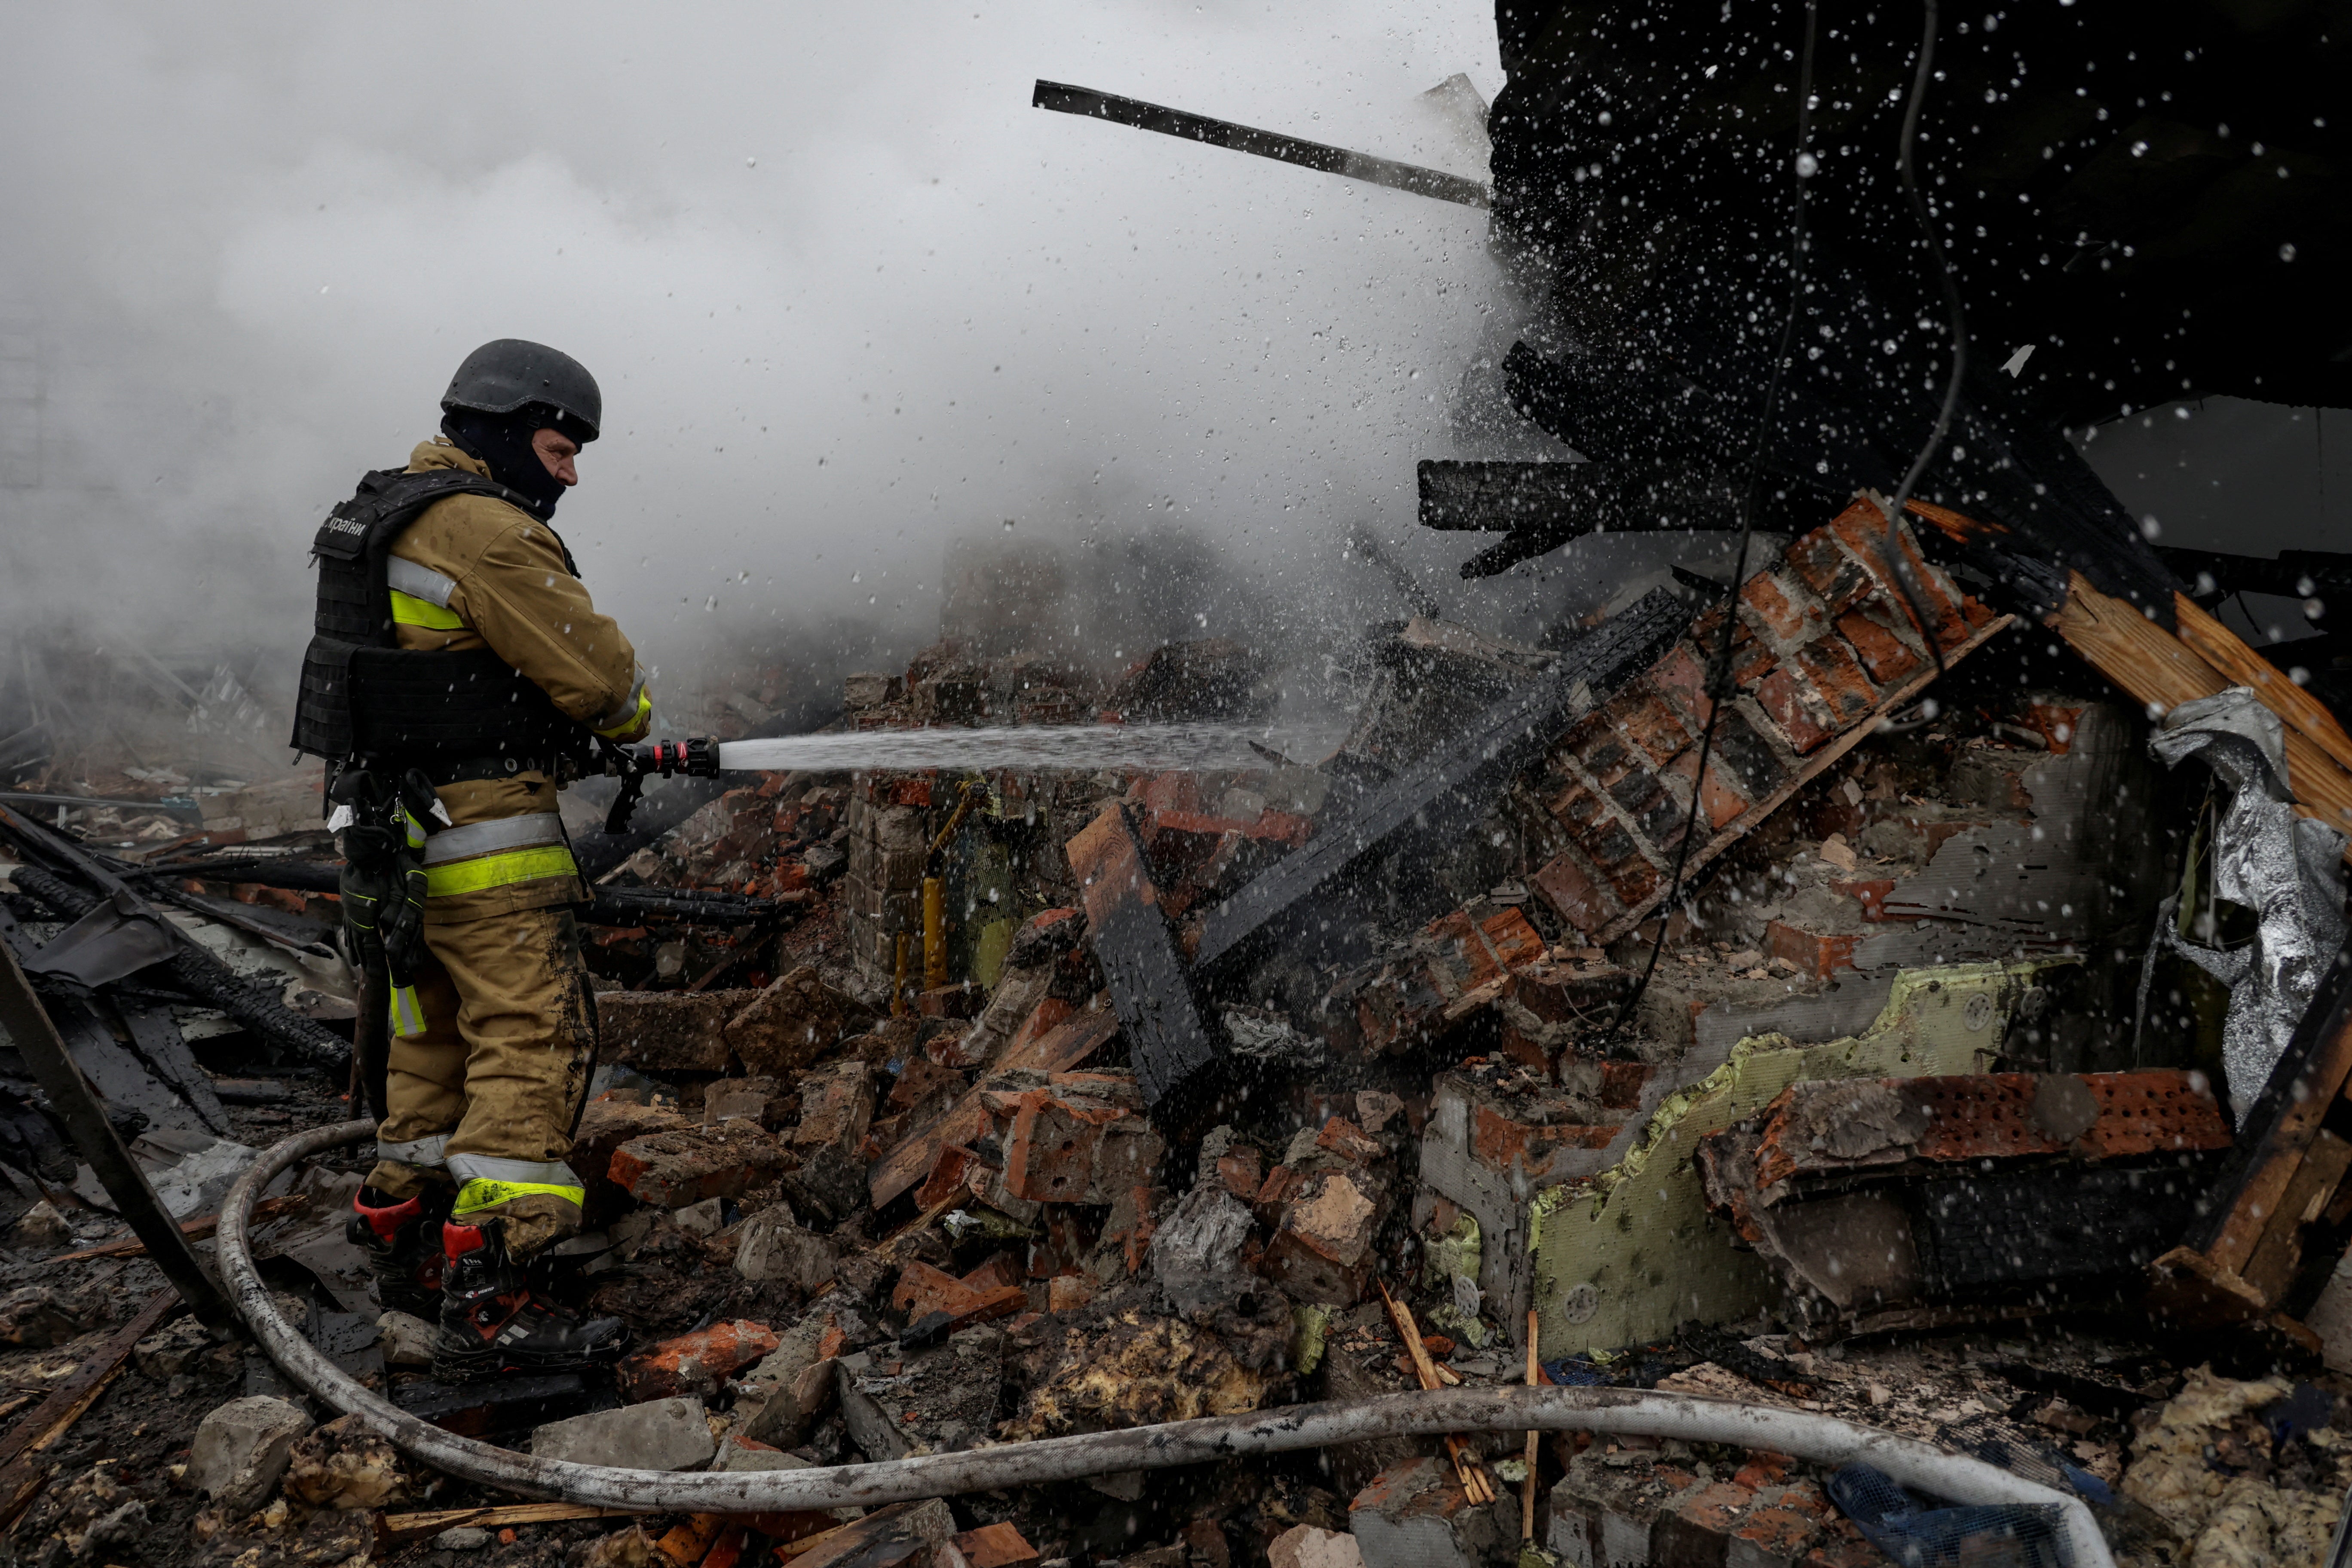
[2202, 1281]
[1065, 98]
[1492, 497]
[1171, 1039]
[1450, 788]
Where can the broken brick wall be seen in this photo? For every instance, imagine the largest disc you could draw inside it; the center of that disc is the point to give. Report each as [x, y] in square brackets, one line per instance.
[1822, 646]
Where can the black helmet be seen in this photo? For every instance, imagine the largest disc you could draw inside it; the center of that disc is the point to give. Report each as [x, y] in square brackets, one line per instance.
[509, 373]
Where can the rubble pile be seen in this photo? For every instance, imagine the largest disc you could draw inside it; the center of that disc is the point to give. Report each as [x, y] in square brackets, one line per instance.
[939, 1111]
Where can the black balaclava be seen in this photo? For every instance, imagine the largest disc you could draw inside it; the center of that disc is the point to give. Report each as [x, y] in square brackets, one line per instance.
[503, 442]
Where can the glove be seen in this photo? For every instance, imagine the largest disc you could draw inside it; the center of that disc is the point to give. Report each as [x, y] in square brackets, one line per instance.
[383, 891]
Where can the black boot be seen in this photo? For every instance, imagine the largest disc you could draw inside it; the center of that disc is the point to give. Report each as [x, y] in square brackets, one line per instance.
[402, 1239]
[493, 1320]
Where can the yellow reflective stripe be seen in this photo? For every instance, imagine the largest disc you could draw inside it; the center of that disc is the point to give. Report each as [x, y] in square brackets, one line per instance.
[645, 709]
[498, 870]
[484, 1194]
[408, 610]
[407, 1014]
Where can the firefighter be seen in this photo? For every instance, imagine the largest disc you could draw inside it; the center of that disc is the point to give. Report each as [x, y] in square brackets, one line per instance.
[457, 655]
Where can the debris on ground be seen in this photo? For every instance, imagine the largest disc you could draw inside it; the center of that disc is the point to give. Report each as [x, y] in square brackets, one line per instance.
[937, 1110]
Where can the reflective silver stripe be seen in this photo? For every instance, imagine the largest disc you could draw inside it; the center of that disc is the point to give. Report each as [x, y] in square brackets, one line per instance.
[626, 710]
[425, 1152]
[494, 837]
[418, 582]
[490, 1168]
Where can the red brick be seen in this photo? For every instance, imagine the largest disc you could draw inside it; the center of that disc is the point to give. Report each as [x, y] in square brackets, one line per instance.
[1575, 807]
[1763, 1467]
[1606, 757]
[604, 1126]
[994, 1546]
[1721, 795]
[695, 1363]
[673, 1169]
[1780, 607]
[685, 1543]
[1835, 577]
[1793, 704]
[1887, 656]
[1695, 1530]
[1566, 993]
[999, 1271]
[1812, 952]
[1622, 1084]
[1751, 662]
[836, 1107]
[1831, 666]
[1344, 1138]
[1957, 614]
[951, 1176]
[907, 792]
[1577, 898]
[1682, 675]
[959, 1002]
[1521, 1148]
[1500, 942]
[1835, 1553]
[1770, 1537]
[1870, 892]
[1069, 1146]
[1042, 1019]
[1239, 1173]
[1322, 1250]
[1651, 723]
[1634, 879]
[923, 1290]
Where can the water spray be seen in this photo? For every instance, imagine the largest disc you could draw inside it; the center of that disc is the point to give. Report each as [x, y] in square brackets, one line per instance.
[1075, 748]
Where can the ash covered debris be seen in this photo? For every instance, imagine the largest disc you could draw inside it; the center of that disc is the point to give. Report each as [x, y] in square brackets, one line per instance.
[898, 1163]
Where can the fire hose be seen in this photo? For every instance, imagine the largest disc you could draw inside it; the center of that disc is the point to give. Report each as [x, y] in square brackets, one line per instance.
[1688, 1417]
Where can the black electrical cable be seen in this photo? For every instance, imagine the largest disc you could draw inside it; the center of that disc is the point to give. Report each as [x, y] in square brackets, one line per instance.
[1898, 563]
[1718, 678]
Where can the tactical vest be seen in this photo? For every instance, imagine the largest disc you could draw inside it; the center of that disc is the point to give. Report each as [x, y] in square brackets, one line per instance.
[365, 698]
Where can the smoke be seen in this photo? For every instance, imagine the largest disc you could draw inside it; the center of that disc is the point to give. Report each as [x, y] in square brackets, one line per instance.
[852, 300]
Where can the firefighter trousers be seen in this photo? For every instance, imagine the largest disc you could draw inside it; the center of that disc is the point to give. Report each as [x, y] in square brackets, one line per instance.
[487, 1096]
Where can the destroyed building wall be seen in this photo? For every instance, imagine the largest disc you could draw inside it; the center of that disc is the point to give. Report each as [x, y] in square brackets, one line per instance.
[1823, 646]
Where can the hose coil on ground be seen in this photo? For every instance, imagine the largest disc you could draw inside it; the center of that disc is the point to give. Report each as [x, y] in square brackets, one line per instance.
[1822, 1438]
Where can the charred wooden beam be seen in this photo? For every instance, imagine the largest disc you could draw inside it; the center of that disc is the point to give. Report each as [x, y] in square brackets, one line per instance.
[1544, 505]
[1064, 98]
[2239, 1261]
[2291, 574]
[1174, 1039]
[35, 1038]
[1445, 792]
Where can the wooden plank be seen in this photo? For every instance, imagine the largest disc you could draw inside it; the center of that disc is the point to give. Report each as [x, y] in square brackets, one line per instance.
[2279, 1253]
[1528, 1491]
[2220, 647]
[1177, 1047]
[2164, 671]
[1814, 767]
[398, 1529]
[2262, 1190]
[1060, 1049]
[22, 1471]
[1474, 1484]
